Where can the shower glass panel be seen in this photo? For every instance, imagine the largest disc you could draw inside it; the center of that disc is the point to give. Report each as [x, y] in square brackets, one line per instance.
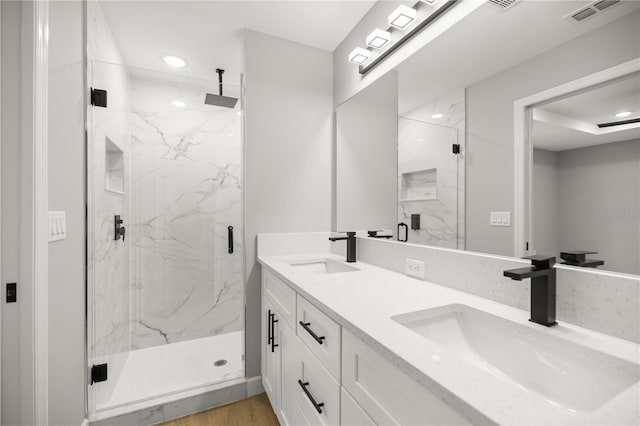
[429, 182]
[166, 292]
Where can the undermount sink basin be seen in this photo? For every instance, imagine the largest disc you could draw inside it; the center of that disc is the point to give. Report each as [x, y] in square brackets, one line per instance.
[564, 373]
[322, 266]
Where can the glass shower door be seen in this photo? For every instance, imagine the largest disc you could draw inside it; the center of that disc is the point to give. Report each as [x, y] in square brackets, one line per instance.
[180, 305]
[429, 182]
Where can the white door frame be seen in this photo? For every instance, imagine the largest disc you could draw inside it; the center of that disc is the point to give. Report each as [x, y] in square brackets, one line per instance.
[41, 212]
[36, 20]
[523, 150]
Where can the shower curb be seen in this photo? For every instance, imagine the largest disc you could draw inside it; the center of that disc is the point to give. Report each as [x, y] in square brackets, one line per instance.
[184, 406]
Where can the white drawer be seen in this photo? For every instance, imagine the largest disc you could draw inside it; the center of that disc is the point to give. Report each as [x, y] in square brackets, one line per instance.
[351, 414]
[302, 370]
[321, 335]
[281, 295]
[388, 395]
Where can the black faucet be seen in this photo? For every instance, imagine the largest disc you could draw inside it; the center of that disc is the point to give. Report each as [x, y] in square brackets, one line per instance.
[543, 288]
[374, 234]
[351, 245]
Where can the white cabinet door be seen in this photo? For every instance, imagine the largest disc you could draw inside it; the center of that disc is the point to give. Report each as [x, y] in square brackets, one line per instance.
[290, 413]
[310, 395]
[351, 414]
[271, 353]
[388, 395]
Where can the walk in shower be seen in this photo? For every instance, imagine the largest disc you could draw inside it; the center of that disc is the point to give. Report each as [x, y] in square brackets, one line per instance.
[430, 183]
[165, 237]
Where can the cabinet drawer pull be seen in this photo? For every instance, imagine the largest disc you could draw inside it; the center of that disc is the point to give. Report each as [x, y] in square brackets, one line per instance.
[268, 327]
[311, 398]
[306, 325]
[273, 334]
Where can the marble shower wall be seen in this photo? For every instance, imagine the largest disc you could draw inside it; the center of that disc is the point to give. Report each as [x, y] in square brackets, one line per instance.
[108, 135]
[431, 179]
[186, 189]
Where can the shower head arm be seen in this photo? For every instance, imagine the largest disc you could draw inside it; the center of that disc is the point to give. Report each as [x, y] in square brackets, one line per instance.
[220, 71]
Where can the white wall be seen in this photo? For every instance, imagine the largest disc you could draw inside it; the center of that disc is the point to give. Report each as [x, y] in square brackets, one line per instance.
[367, 157]
[67, 383]
[11, 218]
[599, 203]
[288, 153]
[489, 117]
[545, 198]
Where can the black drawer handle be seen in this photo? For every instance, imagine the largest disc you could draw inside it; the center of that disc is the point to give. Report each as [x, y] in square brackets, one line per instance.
[306, 325]
[273, 334]
[268, 327]
[311, 398]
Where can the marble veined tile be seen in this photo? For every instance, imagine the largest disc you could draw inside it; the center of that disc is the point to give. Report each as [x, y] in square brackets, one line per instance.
[436, 216]
[425, 145]
[186, 190]
[424, 149]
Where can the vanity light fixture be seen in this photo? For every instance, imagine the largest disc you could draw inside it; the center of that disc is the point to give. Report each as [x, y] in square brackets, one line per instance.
[623, 114]
[402, 17]
[378, 38]
[437, 115]
[359, 55]
[174, 61]
[178, 104]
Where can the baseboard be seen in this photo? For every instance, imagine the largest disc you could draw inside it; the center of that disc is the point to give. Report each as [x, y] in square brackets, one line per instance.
[254, 386]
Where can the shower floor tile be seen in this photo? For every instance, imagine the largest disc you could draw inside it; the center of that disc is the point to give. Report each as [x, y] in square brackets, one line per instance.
[162, 370]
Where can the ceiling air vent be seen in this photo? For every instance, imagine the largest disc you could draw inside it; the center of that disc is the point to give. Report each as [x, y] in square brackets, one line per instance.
[583, 14]
[602, 5]
[590, 10]
[504, 4]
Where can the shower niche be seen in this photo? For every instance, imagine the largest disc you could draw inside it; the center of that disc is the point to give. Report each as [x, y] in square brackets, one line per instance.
[114, 167]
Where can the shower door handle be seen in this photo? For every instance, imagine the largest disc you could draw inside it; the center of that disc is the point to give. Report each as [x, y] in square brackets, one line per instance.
[230, 238]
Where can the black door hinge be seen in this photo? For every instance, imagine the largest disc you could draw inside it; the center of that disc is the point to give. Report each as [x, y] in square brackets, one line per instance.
[527, 244]
[98, 373]
[99, 97]
[456, 148]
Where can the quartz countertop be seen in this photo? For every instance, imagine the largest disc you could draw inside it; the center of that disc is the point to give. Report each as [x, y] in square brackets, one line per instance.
[364, 301]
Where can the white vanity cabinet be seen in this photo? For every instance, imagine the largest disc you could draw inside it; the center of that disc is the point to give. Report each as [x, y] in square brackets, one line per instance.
[271, 352]
[317, 373]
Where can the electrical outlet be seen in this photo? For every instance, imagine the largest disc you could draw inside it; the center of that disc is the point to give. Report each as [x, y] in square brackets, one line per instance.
[414, 268]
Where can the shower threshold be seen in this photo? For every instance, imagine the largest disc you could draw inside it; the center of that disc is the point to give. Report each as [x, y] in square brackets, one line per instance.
[159, 371]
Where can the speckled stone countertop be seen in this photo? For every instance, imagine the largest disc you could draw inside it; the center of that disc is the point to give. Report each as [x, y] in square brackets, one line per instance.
[364, 301]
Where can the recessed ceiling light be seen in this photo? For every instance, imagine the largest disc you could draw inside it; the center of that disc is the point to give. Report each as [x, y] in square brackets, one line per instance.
[402, 17]
[174, 61]
[437, 115]
[623, 114]
[378, 38]
[179, 104]
[359, 55]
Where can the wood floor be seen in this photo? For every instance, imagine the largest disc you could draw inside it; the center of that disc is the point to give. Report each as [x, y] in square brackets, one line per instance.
[248, 412]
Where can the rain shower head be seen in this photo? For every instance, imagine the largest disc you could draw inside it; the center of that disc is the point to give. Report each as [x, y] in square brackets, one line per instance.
[220, 100]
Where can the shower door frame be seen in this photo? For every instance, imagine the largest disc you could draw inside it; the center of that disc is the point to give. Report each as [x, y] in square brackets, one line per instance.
[92, 413]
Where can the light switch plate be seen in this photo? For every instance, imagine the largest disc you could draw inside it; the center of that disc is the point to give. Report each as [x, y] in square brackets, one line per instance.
[57, 226]
[414, 268]
[500, 219]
